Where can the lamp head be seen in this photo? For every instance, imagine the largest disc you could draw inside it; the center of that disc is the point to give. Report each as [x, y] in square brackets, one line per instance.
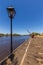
[11, 11]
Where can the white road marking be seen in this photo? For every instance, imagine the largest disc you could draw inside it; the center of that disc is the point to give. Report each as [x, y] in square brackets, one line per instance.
[25, 53]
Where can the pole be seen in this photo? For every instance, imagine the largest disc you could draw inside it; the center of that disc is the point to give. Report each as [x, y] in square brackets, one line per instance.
[11, 36]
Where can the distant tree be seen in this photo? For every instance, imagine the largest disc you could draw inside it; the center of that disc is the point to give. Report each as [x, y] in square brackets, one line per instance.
[6, 34]
[15, 34]
[35, 33]
[1, 34]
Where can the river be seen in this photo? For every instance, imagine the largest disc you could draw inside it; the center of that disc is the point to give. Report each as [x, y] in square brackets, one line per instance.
[5, 44]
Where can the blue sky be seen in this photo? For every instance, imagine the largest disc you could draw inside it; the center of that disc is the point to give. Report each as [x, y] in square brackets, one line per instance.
[29, 16]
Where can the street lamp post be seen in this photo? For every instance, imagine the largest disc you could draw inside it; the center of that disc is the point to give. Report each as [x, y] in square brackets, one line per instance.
[11, 14]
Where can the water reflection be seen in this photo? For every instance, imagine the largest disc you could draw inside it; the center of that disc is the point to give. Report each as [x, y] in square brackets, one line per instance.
[5, 44]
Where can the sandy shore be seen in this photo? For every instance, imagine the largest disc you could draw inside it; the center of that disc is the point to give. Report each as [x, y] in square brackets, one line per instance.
[38, 36]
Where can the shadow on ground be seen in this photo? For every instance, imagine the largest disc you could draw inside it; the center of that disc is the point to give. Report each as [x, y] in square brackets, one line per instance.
[11, 60]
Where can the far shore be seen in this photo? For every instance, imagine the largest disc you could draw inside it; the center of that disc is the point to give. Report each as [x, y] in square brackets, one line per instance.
[1, 35]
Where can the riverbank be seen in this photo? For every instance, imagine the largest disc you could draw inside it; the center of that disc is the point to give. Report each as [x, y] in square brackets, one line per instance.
[29, 53]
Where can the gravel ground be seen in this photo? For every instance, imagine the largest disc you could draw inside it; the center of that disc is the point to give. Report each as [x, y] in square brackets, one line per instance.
[35, 52]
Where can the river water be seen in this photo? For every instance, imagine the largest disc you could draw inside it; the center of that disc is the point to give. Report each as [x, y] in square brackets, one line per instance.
[5, 44]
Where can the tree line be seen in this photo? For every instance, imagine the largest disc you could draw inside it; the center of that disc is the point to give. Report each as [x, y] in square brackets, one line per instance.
[1, 34]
